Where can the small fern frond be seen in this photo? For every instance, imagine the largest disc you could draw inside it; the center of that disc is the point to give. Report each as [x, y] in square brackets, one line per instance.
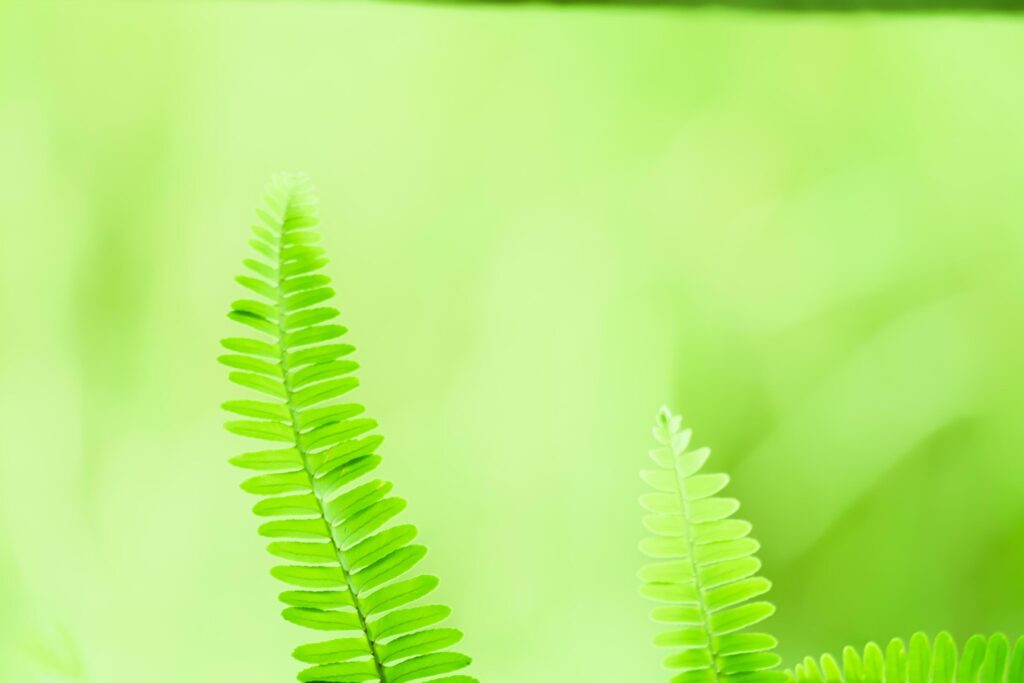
[983, 660]
[347, 564]
[706, 573]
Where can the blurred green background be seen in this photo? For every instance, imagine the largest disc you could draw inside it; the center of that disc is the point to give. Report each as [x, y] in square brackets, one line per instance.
[804, 233]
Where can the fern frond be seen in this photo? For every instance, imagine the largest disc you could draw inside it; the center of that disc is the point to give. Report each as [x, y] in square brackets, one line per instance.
[983, 660]
[347, 564]
[705, 575]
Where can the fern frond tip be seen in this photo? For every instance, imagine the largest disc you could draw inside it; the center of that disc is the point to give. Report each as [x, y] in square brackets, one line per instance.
[348, 566]
[705, 572]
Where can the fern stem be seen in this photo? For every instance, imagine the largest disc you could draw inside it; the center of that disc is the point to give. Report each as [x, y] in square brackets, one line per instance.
[692, 555]
[293, 418]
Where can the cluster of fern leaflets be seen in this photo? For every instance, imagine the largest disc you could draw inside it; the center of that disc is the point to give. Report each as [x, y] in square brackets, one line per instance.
[983, 660]
[349, 567]
[706, 578]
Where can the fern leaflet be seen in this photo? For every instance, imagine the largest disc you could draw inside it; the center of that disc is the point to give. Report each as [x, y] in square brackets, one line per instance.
[705, 575]
[983, 660]
[348, 566]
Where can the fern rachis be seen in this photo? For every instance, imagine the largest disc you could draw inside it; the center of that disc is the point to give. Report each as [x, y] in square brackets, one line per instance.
[348, 564]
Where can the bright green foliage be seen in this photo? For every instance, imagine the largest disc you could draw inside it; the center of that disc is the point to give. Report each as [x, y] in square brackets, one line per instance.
[705, 575]
[925, 661]
[348, 566]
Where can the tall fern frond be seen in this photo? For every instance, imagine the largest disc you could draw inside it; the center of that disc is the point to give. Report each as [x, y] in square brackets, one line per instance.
[705, 575]
[982, 660]
[349, 567]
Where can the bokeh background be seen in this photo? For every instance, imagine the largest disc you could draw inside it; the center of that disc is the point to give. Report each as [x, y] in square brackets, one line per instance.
[806, 234]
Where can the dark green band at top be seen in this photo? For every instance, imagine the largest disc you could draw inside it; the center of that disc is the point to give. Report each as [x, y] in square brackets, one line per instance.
[836, 6]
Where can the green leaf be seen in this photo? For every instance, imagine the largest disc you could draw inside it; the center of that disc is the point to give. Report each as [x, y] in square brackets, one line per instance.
[263, 248]
[261, 429]
[317, 354]
[994, 664]
[285, 459]
[295, 528]
[750, 662]
[737, 643]
[302, 266]
[972, 659]
[254, 321]
[944, 659]
[709, 553]
[257, 309]
[306, 298]
[309, 316]
[404, 621]
[278, 482]
[874, 664]
[251, 364]
[357, 498]
[301, 253]
[323, 620]
[324, 391]
[366, 521]
[392, 566]
[378, 546]
[322, 371]
[261, 269]
[337, 477]
[310, 577]
[260, 409]
[740, 617]
[1015, 670]
[288, 506]
[345, 672]
[334, 433]
[338, 650]
[691, 636]
[919, 659]
[306, 282]
[266, 385]
[426, 666]
[302, 237]
[316, 417]
[422, 642]
[298, 551]
[313, 335]
[722, 530]
[853, 667]
[895, 661]
[830, 668]
[399, 593]
[254, 347]
[258, 286]
[349, 451]
[317, 599]
[736, 592]
[722, 573]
